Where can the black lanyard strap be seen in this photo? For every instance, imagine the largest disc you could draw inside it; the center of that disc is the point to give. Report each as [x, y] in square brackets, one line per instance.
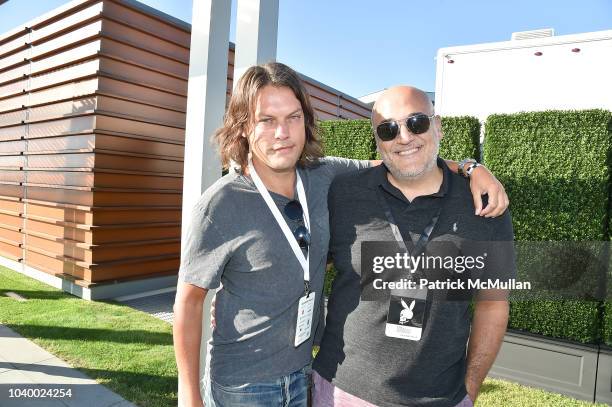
[423, 239]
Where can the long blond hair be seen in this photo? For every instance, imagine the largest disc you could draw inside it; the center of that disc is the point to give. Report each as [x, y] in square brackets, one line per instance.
[239, 115]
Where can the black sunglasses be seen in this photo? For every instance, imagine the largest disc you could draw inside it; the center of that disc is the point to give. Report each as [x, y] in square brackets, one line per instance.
[294, 211]
[416, 124]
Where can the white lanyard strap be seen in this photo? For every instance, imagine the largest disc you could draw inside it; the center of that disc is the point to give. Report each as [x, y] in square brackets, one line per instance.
[263, 191]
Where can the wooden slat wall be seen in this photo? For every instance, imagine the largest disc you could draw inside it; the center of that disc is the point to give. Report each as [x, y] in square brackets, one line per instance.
[92, 129]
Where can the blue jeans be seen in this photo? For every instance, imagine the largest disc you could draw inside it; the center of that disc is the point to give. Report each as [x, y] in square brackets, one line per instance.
[287, 391]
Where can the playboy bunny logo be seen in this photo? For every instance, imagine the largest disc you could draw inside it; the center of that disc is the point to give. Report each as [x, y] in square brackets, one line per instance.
[406, 314]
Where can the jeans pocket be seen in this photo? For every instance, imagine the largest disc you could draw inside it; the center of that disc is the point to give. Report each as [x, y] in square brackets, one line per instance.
[246, 395]
[247, 388]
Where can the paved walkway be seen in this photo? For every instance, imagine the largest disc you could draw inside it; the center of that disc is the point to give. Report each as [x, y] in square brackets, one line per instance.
[158, 305]
[29, 371]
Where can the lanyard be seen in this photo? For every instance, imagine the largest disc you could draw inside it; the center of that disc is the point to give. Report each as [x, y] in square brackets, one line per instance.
[422, 242]
[263, 191]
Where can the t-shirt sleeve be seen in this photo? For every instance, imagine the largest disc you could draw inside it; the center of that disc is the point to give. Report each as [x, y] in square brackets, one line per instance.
[502, 245]
[339, 165]
[205, 252]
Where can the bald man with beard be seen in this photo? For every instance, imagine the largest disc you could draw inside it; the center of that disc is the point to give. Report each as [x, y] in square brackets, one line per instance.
[408, 347]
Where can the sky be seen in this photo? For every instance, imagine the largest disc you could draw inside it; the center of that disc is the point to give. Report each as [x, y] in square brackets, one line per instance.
[361, 46]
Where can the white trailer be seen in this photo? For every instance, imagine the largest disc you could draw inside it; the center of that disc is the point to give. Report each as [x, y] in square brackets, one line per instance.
[529, 73]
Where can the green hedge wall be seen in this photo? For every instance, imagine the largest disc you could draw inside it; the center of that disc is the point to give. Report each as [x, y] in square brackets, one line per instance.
[574, 320]
[461, 138]
[348, 138]
[555, 168]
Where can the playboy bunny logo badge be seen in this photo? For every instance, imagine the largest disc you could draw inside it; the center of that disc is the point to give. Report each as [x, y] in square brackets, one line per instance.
[406, 314]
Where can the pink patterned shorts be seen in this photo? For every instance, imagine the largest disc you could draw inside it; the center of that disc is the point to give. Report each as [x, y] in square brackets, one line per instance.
[325, 394]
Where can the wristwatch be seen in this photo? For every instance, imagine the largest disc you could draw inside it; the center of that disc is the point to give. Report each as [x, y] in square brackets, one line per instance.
[462, 164]
[471, 168]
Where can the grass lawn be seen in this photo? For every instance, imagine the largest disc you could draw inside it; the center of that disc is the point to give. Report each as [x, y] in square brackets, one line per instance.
[131, 352]
[502, 393]
[128, 351]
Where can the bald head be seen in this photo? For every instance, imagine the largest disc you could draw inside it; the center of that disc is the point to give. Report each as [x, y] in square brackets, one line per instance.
[400, 101]
[407, 155]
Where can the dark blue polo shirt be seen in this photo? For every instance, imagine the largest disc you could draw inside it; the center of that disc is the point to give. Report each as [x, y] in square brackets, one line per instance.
[355, 353]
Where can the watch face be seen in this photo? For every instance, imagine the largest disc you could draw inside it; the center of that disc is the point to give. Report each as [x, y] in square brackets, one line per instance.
[472, 168]
[463, 163]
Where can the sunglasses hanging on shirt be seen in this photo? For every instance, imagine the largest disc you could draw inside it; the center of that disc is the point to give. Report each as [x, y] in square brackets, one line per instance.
[293, 210]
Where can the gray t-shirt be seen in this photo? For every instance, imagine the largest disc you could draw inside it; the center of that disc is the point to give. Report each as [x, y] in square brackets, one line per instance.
[234, 242]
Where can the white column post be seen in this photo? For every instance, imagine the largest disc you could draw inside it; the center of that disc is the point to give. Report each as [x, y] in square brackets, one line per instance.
[256, 34]
[206, 95]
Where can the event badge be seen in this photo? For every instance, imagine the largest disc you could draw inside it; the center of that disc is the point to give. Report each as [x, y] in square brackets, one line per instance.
[406, 316]
[304, 319]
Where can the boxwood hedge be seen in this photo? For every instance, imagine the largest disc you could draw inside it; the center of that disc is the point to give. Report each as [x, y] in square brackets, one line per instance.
[555, 167]
[461, 138]
[348, 138]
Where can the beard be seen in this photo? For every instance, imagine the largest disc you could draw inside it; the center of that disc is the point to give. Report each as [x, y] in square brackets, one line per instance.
[405, 173]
